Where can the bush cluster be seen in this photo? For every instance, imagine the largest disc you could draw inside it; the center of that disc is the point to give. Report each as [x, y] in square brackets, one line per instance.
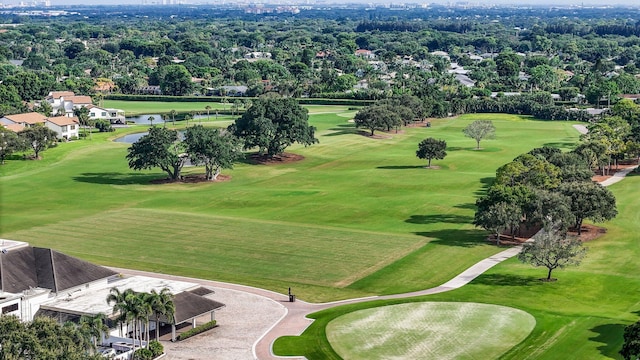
[152, 351]
[197, 330]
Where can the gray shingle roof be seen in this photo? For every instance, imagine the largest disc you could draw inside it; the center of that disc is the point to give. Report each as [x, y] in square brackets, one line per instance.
[189, 305]
[23, 268]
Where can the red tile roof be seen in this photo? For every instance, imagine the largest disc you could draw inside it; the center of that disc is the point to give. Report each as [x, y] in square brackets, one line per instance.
[64, 120]
[15, 127]
[79, 99]
[58, 94]
[28, 118]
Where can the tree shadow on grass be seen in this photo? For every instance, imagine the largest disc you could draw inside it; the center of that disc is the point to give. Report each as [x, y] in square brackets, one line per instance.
[560, 144]
[468, 206]
[344, 129]
[401, 167]
[610, 335]
[439, 218]
[460, 148]
[486, 184]
[506, 280]
[114, 178]
[456, 237]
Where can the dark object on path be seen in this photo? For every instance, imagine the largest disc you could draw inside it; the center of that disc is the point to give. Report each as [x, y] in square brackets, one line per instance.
[292, 298]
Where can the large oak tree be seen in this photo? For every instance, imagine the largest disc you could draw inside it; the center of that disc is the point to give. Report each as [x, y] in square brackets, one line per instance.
[159, 148]
[213, 148]
[272, 124]
[589, 200]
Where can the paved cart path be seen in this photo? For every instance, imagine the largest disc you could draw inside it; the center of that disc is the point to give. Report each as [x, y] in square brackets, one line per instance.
[293, 315]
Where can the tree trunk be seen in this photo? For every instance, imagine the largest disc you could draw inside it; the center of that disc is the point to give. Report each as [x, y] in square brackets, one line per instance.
[429, 163]
[216, 173]
[372, 130]
[477, 144]
[549, 274]
[579, 226]
[157, 328]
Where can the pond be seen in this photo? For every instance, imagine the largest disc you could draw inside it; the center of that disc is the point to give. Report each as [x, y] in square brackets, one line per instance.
[131, 138]
[157, 118]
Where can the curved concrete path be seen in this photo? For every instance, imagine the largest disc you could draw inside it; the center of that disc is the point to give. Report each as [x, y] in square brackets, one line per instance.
[294, 321]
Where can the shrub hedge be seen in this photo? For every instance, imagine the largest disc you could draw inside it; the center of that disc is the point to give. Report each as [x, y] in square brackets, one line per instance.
[197, 330]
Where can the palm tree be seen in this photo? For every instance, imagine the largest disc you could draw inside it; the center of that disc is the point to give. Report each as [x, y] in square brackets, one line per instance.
[207, 108]
[164, 119]
[94, 327]
[82, 113]
[173, 117]
[188, 117]
[141, 313]
[151, 118]
[162, 304]
[118, 299]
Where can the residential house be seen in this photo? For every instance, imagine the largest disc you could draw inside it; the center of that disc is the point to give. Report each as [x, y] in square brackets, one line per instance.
[632, 97]
[26, 119]
[115, 116]
[240, 90]
[323, 54]
[465, 80]
[363, 53]
[64, 102]
[257, 55]
[443, 54]
[44, 282]
[150, 90]
[66, 127]
[14, 127]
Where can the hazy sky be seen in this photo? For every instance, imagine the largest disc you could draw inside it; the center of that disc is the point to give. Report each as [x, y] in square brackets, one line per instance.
[523, 2]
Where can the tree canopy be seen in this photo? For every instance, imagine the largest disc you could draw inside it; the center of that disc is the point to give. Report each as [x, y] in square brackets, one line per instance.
[377, 117]
[479, 130]
[553, 251]
[631, 345]
[10, 142]
[431, 148]
[44, 338]
[589, 200]
[214, 148]
[39, 138]
[272, 124]
[159, 148]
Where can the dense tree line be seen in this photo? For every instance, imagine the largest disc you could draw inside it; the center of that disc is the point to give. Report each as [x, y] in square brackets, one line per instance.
[315, 57]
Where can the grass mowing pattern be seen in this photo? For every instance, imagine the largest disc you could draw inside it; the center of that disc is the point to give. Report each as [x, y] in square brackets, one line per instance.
[431, 330]
[224, 248]
[347, 181]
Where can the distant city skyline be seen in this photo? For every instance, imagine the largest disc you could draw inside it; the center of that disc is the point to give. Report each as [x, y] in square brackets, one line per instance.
[472, 2]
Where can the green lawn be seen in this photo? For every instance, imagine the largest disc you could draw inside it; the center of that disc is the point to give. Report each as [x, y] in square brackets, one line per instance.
[358, 216]
[397, 226]
[132, 108]
[581, 316]
[154, 107]
[429, 330]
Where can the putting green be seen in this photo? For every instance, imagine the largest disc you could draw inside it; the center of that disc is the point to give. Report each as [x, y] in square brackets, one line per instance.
[429, 330]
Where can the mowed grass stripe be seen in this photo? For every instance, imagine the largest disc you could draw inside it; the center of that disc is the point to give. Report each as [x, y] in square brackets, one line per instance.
[429, 330]
[225, 248]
